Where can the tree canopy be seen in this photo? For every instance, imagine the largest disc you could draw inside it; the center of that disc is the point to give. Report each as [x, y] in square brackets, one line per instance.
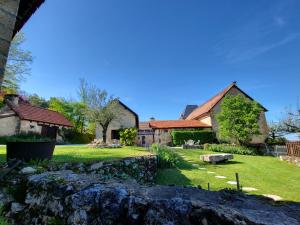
[18, 64]
[238, 119]
[100, 108]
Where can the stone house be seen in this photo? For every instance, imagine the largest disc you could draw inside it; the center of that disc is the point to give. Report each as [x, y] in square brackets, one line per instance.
[200, 117]
[126, 118]
[206, 112]
[160, 131]
[19, 116]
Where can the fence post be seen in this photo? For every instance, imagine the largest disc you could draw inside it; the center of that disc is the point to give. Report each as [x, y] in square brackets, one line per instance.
[237, 181]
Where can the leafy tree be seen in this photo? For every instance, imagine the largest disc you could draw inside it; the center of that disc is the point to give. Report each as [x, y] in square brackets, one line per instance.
[128, 136]
[276, 133]
[38, 101]
[74, 111]
[238, 119]
[291, 122]
[18, 64]
[100, 108]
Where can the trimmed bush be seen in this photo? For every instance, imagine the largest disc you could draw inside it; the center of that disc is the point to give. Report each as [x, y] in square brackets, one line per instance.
[167, 158]
[225, 148]
[204, 136]
[24, 137]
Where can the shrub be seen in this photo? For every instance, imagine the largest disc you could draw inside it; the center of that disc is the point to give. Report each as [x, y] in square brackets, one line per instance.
[26, 137]
[128, 136]
[238, 119]
[204, 136]
[225, 148]
[167, 158]
[277, 141]
[74, 137]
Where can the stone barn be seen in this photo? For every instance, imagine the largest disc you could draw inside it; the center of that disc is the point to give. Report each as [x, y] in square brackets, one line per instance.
[19, 116]
[126, 118]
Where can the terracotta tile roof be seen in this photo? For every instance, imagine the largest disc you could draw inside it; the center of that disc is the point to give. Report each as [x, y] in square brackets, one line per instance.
[204, 109]
[144, 126]
[26, 111]
[168, 124]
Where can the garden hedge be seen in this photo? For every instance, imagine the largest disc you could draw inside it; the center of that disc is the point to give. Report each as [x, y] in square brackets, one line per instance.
[204, 136]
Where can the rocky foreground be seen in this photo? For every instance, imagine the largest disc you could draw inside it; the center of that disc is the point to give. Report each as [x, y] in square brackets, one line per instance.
[65, 197]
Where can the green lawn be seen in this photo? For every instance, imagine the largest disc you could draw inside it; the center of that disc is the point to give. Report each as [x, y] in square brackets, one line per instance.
[267, 174]
[84, 154]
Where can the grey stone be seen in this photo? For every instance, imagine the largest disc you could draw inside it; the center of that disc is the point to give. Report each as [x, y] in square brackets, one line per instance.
[216, 158]
[96, 166]
[115, 202]
[16, 207]
[28, 170]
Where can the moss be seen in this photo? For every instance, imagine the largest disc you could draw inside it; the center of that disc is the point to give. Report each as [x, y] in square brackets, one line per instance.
[55, 221]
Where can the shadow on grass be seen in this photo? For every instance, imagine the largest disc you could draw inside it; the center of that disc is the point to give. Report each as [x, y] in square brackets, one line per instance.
[172, 176]
[229, 163]
[2, 158]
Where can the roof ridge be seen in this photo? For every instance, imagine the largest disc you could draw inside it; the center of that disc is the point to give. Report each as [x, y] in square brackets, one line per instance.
[39, 107]
[221, 94]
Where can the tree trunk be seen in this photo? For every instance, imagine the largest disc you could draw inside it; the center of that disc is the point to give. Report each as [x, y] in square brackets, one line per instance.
[104, 133]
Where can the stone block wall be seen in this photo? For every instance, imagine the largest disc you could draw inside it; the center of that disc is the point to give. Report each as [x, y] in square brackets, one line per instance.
[64, 197]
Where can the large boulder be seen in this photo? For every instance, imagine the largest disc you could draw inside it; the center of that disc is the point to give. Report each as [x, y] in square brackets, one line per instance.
[65, 197]
[216, 158]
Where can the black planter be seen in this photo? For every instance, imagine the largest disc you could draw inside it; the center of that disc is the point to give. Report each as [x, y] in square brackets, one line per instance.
[29, 150]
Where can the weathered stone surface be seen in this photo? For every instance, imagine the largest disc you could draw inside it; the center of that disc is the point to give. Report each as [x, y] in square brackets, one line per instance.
[16, 207]
[28, 170]
[215, 158]
[69, 198]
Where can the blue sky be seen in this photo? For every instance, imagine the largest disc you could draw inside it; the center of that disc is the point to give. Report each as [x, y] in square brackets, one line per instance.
[159, 55]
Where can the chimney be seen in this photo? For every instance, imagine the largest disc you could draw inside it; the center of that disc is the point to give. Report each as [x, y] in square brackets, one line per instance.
[12, 98]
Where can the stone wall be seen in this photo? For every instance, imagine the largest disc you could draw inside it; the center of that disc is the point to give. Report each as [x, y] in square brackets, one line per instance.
[65, 197]
[163, 136]
[9, 125]
[30, 126]
[8, 13]
[125, 119]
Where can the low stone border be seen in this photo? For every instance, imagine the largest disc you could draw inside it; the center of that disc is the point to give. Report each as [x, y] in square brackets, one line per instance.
[291, 159]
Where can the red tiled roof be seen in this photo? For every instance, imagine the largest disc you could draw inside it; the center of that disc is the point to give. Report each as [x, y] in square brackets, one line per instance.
[168, 124]
[204, 109]
[29, 112]
[144, 125]
[207, 106]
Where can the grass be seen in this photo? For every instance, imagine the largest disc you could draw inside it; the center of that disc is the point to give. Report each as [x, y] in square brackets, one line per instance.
[268, 174]
[86, 154]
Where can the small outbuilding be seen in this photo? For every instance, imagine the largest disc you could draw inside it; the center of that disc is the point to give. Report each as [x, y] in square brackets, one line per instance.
[19, 116]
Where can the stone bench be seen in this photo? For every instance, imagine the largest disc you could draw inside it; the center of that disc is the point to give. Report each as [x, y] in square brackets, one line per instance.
[216, 158]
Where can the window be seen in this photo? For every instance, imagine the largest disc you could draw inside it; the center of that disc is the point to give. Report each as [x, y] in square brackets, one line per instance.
[115, 134]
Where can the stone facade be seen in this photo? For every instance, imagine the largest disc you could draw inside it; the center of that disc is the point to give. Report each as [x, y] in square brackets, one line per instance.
[9, 126]
[258, 139]
[125, 119]
[8, 14]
